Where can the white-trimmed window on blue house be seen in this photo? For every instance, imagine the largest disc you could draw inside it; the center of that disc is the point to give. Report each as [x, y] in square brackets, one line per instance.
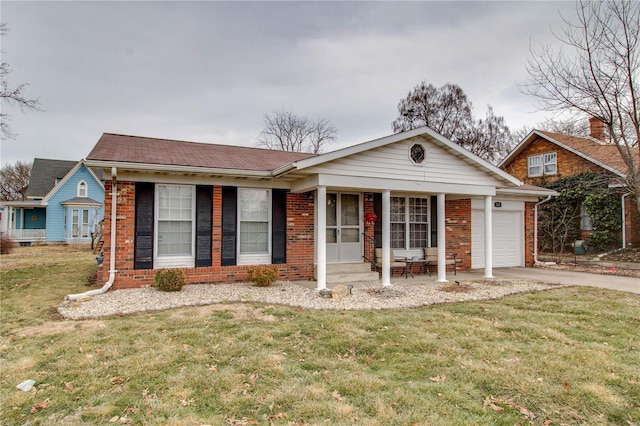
[175, 207]
[542, 164]
[82, 189]
[80, 223]
[254, 230]
[410, 224]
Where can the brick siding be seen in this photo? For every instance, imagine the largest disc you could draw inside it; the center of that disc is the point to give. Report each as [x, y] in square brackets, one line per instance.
[300, 243]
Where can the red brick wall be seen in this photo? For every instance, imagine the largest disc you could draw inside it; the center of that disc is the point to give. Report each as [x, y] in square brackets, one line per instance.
[300, 242]
[458, 231]
[632, 222]
[529, 214]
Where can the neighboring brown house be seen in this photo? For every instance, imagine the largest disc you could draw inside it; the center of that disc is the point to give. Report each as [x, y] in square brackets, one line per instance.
[216, 211]
[544, 157]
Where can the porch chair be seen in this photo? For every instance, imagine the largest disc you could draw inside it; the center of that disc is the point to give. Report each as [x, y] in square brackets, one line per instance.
[431, 256]
[396, 262]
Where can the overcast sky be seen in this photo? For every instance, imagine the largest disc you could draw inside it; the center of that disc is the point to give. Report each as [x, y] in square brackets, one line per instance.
[209, 71]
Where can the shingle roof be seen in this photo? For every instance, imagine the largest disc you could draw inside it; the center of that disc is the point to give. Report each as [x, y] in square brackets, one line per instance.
[44, 174]
[136, 149]
[607, 154]
[81, 201]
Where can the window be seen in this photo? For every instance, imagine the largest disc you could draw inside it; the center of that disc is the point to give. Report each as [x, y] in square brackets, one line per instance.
[175, 234]
[409, 222]
[550, 166]
[542, 164]
[418, 222]
[398, 222]
[585, 219]
[75, 225]
[82, 189]
[254, 213]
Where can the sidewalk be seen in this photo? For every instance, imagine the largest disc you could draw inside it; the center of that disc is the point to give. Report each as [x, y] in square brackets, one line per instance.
[558, 276]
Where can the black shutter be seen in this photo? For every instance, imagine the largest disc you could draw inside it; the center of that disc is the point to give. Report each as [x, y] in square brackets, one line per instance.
[279, 226]
[204, 210]
[229, 220]
[143, 243]
[434, 221]
[377, 228]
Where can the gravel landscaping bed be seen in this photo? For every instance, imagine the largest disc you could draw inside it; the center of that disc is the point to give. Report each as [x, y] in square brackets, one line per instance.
[365, 296]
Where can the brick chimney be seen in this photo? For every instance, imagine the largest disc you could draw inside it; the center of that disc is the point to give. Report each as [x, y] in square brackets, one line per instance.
[597, 128]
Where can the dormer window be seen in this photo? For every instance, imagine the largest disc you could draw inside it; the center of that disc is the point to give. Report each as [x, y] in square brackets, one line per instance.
[542, 164]
[82, 189]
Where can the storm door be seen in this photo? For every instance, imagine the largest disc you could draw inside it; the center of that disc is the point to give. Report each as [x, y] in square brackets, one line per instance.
[343, 228]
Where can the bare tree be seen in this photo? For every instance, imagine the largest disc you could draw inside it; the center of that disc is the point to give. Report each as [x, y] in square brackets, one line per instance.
[595, 74]
[285, 131]
[448, 111]
[14, 181]
[13, 96]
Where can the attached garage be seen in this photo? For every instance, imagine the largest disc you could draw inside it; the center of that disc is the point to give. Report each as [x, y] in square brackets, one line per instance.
[508, 233]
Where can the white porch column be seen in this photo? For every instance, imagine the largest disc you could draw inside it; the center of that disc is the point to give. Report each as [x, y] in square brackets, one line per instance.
[488, 236]
[321, 240]
[442, 241]
[386, 237]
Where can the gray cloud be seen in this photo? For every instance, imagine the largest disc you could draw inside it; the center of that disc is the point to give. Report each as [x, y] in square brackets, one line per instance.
[209, 71]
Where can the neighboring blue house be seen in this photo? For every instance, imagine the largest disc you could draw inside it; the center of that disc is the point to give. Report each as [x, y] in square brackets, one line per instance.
[64, 204]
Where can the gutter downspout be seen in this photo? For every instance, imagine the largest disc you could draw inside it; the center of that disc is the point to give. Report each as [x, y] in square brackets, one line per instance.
[535, 229]
[112, 249]
[624, 223]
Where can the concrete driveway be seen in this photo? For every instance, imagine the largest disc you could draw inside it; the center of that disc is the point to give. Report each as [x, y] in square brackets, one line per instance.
[559, 276]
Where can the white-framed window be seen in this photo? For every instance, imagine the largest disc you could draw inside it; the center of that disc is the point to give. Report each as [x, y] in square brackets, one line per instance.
[254, 230]
[174, 226]
[409, 222]
[82, 189]
[542, 164]
[550, 163]
[585, 219]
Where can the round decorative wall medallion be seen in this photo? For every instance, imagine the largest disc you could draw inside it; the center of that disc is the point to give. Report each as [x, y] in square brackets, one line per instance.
[34, 218]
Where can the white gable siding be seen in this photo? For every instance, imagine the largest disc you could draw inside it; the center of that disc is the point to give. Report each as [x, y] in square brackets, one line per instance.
[393, 162]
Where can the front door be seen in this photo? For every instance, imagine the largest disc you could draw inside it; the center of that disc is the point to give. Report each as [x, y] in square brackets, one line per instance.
[343, 228]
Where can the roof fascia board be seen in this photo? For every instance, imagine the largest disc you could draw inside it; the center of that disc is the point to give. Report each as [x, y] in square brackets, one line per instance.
[377, 184]
[23, 204]
[241, 181]
[93, 174]
[536, 192]
[177, 169]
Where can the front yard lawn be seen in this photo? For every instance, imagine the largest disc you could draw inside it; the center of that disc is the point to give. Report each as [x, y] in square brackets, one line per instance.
[563, 356]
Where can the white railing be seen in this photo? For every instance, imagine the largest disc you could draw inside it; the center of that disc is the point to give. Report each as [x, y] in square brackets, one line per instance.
[27, 234]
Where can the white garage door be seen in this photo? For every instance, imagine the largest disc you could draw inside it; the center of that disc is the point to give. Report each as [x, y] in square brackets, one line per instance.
[508, 234]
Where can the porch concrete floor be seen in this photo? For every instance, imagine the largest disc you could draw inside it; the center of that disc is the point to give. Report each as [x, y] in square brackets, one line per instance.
[552, 276]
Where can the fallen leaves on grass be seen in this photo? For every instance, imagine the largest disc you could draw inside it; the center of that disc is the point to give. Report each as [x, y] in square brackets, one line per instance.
[39, 406]
[492, 402]
[438, 379]
[337, 396]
